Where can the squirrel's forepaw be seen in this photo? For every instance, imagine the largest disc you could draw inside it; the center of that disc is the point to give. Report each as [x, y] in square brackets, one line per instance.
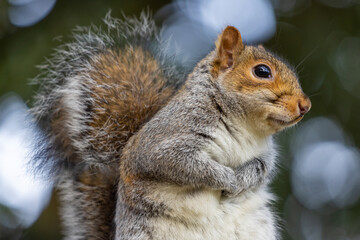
[236, 189]
[261, 167]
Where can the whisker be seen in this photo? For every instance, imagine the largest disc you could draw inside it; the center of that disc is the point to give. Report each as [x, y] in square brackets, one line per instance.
[314, 94]
[307, 57]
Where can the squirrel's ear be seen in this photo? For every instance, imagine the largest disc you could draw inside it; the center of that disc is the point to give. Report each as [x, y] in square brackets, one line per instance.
[228, 47]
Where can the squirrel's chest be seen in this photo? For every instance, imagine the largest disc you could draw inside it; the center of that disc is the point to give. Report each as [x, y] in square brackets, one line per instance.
[233, 147]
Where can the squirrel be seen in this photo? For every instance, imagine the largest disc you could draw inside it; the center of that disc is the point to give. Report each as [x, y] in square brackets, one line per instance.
[141, 152]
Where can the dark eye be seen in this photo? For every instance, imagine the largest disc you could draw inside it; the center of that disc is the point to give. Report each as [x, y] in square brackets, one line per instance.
[262, 71]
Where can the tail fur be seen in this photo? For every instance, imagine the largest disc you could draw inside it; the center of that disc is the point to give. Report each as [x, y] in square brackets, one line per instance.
[95, 93]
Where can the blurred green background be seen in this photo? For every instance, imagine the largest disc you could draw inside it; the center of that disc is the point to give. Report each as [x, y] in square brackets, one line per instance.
[322, 37]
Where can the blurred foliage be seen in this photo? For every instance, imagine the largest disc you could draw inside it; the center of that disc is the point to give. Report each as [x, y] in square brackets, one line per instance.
[308, 37]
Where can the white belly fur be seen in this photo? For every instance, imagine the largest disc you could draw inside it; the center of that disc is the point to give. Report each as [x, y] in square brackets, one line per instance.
[202, 214]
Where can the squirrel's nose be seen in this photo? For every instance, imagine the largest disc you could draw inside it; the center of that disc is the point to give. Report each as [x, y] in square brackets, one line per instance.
[304, 106]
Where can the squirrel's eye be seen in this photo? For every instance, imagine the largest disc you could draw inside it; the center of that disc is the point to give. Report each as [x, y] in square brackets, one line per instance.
[262, 71]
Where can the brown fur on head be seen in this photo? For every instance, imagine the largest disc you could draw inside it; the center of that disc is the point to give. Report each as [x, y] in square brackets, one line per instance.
[263, 85]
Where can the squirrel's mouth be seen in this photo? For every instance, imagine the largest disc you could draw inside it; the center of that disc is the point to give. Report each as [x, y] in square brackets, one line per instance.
[283, 122]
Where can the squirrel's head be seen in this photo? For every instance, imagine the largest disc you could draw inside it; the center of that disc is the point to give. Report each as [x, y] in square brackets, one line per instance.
[265, 87]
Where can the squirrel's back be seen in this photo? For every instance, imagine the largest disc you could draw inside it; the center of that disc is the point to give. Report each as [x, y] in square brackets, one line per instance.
[95, 93]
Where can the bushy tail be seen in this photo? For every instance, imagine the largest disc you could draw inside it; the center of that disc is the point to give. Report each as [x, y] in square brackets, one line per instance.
[95, 93]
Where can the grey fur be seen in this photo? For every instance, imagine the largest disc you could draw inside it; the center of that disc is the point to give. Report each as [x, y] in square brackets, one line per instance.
[178, 157]
[65, 86]
[169, 149]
